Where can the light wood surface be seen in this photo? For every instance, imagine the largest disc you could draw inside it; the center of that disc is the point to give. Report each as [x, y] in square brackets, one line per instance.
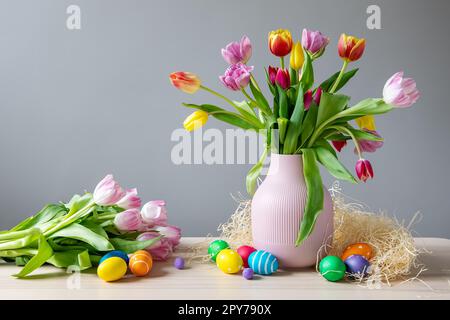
[206, 281]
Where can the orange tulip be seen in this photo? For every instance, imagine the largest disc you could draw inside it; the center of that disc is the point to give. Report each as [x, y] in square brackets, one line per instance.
[185, 81]
[280, 42]
[351, 48]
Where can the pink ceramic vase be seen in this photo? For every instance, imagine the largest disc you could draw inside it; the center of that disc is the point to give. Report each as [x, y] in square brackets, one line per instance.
[277, 210]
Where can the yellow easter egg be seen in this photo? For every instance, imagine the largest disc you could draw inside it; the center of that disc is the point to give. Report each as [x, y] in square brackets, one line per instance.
[112, 269]
[229, 261]
[141, 263]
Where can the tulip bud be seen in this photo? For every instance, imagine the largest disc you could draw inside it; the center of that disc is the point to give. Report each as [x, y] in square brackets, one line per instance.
[171, 233]
[364, 170]
[196, 120]
[154, 213]
[130, 200]
[108, 192]
[185, 81]
[237, 76]
[317, 96]
[283, 79]
[160, 250]
[272, 74]
[307, 99]
[366, 122]
[339, 144]
[280, 42]
[297, 57]
[369, 145]
[351, 48]
[236, 52]
[128, 220]
[400, 92]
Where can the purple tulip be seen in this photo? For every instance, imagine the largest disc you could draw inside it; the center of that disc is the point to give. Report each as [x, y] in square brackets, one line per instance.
[128, 220]
[236, 52]
[130, 200]
[236, 76]
[108, 192]
[400, 92]
[369, 145]
[314, 42]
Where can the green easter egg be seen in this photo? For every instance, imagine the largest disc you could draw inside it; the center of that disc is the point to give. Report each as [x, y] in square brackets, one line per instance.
[215, 247]
[332, 268]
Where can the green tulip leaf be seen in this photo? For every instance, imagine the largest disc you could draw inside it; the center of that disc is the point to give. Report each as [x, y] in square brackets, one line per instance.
[81, 233]
[333, 165]
[307, 73]
[254, 173]
[330, 105]
[44, 253]
[130, 246]
[327, 84]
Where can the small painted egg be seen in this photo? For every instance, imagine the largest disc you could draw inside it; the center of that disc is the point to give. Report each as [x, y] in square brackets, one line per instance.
[357, 265]
[245, 252]
[248, 273]
[179, 263]
[215, 247]
[332, 268]
[112, 269]
[263, 262]
[360, 248]
[115, 253]
[141, 263]
[229, 261]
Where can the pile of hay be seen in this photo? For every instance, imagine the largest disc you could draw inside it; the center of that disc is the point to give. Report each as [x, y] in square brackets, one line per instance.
[395, 252]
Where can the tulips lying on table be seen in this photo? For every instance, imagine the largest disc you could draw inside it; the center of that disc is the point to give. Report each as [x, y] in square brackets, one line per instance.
[310, 118]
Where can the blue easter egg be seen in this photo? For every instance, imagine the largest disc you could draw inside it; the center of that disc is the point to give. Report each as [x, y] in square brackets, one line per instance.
[357, 265]
[263, 262]
[115, 253]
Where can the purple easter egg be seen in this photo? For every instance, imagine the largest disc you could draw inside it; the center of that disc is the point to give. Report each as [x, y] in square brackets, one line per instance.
[179, 263]
[357, 264]
[247, 273]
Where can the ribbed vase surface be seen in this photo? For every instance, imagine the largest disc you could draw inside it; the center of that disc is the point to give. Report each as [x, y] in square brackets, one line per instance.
[277, 210]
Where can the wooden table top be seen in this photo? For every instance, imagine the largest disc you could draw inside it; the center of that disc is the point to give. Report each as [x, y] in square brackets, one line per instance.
[206, 281]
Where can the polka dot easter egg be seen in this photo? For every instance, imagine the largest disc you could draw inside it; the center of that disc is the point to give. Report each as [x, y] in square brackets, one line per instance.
[141, 263]
[360, 248]
[115, 253]
[215, 247]
[229, 261]
[112, 269]
[263, 262]
[245, 252]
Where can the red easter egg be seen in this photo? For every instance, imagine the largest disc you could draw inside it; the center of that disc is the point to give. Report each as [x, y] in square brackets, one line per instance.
[245, 252]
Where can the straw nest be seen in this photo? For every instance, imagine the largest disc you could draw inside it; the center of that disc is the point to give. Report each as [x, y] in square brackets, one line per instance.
[395, 255]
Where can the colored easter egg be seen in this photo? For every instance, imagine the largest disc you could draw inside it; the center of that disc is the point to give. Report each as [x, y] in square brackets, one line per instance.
[141, 263]
[360, 248]
[112, 269]
[215, 247]
[245, 252]
[178, 263]
[229, 261]
[263, 262]
[332, 268]
[357, 265]
[247, 273]
[115, 253]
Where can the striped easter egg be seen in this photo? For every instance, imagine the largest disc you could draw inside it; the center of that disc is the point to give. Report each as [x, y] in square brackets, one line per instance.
[263, 262]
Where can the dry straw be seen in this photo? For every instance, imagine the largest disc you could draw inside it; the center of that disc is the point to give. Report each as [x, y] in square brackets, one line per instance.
[395, 251]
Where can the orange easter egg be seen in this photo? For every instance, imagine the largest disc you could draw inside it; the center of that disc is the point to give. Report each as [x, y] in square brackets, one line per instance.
[141, 263]
[360, 248]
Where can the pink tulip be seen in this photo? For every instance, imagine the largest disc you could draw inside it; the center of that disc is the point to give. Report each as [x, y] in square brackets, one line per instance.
[314, 41]
[236, 76]
[339, 144]
[318, 95]
[160, 250]
[364, 170]
[108, 192]
[154, 213]
[400, 92]
[130, 200]
[283, 78]
[236, 52]
[369, 145]
[128, 220]
[307, 99]
[171, 233]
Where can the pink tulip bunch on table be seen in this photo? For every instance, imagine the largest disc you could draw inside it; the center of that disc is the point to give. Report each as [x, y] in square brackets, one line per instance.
[312, 119]
[79, 232]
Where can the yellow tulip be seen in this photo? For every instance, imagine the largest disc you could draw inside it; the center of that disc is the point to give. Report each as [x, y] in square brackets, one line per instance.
[366, 122]
[297, 57]
[195, 120]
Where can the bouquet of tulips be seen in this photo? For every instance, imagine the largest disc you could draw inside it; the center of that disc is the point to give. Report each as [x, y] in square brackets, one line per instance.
[310, 119]
[79, 232]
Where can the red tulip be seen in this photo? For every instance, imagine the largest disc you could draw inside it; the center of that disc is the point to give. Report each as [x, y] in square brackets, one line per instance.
[307, 99]
[283, 78]
[280, 42]
[339, 144]
[351, 48]
[318, 95]
[364, 170]
[185, 81]
[272, 74]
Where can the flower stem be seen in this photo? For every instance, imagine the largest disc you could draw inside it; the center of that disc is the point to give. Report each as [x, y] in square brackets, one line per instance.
[282, 62]
[339, 78]
[255, 83]
[355, 141]
[248, 96]
[219, 95]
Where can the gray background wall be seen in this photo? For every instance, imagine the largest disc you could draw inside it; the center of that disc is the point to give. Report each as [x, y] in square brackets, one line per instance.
[76, 105]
